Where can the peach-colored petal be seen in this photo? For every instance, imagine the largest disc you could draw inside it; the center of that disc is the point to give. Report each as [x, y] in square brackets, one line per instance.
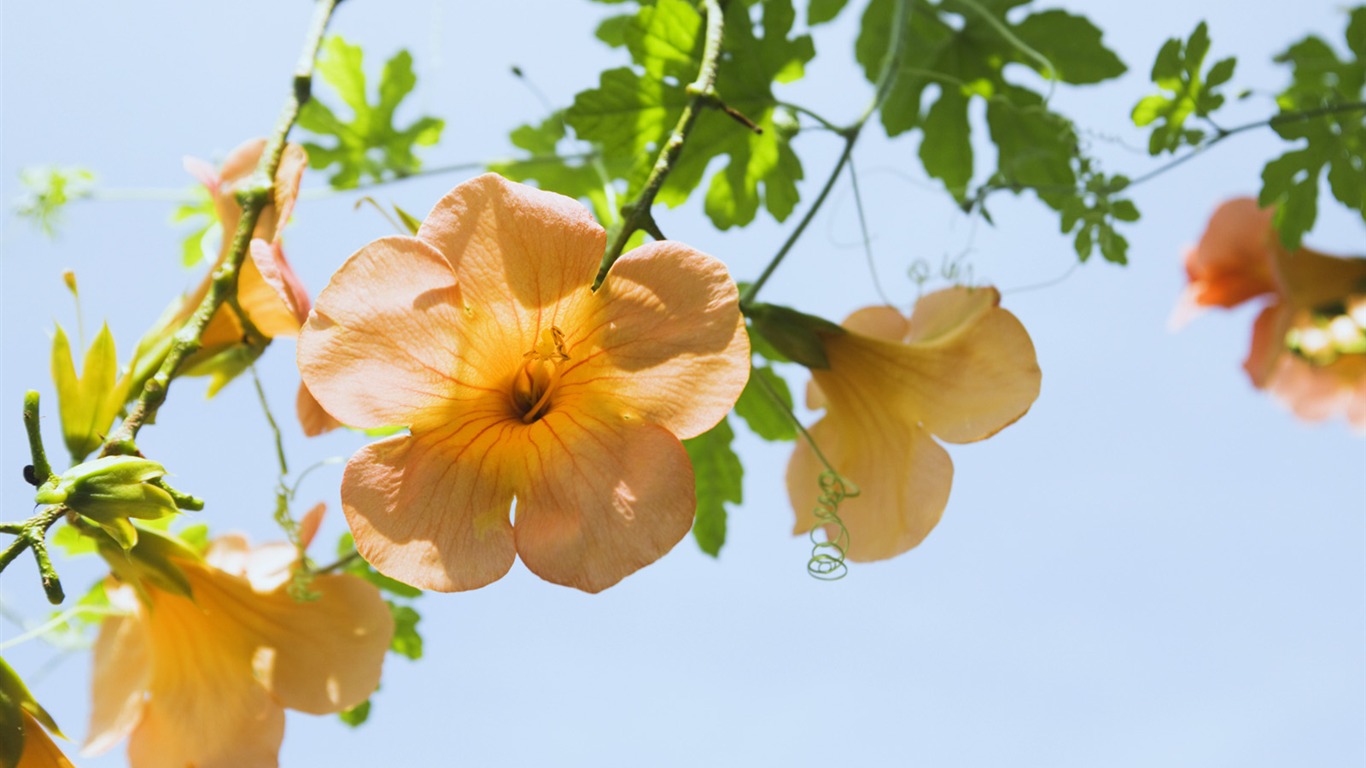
[606, 497]
[969, 374]
[202, 170]
[310, 522]
[293, 162]
[380, 346]
[1309, 278]
[524, 255]
[121, 673]
[317, 656]
[663, 340]
[208, 726]
[903, 476]
[267, 296]
[289, 295]
[39, 751]
[1356, 405]
[1233, 261]
[204, 707]
[432, 511]
[1268, 342]
[1311, 392]
[312, 417]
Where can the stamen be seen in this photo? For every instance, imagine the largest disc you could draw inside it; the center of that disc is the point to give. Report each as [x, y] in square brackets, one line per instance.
[542, 372]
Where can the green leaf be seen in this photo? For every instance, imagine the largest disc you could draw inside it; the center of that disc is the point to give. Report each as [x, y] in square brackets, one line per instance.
[553, 165]
[612, 30]
[1176, 70]
[358, 567]
[199, 211]
[633, 111]
[357, 715]
[821, 11]
[718, 475]
[1072, 45]
[369, 144]
[946, 151]
[766, 418]
[407, 642]
[72, 542]
[1334, 140]
[47, 190]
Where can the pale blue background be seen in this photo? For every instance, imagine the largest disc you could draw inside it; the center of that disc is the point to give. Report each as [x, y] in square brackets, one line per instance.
[1157, 566]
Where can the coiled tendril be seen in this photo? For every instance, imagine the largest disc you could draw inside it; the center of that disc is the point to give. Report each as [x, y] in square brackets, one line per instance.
[827, 555]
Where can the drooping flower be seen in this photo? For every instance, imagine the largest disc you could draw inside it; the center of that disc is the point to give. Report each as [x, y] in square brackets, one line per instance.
[268, 290]
[960, 369]
[1309, 342]
[199, 669]
[482, 335]
[23, 741]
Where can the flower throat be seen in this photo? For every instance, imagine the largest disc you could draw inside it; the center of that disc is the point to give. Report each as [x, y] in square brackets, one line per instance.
[537, 379]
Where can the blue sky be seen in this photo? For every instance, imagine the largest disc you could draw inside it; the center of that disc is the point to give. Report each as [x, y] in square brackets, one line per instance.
[1158, 565]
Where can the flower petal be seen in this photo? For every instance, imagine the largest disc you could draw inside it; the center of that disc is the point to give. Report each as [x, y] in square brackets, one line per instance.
[39, 751]
[432, 511]
[520, 253]
[662, 339]
[121, 672]
[318, 656]
[240, 727]
[196, 647]
[1311, 279]
[903, 475]
[1233, 261]
[270, 293]
[606, 496]
[312, 417]
[968, 374]
[380, 345]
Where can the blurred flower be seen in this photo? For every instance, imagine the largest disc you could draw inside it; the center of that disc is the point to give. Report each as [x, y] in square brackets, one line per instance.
[22, 720]
[203, 678]
[483, 336]
[1309, 342]
[268, 291]
[960, 369]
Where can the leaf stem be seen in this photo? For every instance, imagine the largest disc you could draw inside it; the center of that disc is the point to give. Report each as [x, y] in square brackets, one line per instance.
[891, 63]
[253, 200]
[636, 214]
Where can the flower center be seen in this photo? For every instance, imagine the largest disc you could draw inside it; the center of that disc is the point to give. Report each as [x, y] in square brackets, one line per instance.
[1322, 336]
[537, 379]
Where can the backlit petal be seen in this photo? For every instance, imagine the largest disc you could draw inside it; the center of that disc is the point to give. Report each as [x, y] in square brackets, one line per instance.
[270, 293]
[1268, 342]
[317, 656]
[971, 372]
[39, 751]
[606, 496]
[1233, 260]
[903, 476]
[121, 669]
[524, 256]
[209, 727]
[1310, 278]
[312, 417]
[433, 511]
[380, 345]
[662, 339]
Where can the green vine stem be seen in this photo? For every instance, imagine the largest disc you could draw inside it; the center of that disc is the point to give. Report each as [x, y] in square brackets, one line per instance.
[224, 284]
[636, 214]
[32, 534]
[41, 470]
[886, 77]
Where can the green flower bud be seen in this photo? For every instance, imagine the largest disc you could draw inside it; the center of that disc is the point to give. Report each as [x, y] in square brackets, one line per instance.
[110, 490]
[14, 700]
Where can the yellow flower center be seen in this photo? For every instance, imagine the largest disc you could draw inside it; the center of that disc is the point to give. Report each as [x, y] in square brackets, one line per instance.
[1322, 336]
[537, 379]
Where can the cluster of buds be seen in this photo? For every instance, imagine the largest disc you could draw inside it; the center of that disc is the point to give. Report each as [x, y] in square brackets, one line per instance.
[110, 491]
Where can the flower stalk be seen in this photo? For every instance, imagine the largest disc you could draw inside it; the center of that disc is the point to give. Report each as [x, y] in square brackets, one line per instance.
[253, 200]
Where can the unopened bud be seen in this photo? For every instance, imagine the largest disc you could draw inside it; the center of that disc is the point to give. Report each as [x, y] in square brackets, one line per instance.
[69, 277]
[110, 490]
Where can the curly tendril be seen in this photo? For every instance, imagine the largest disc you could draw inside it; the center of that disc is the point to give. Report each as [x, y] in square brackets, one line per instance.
[827, 555]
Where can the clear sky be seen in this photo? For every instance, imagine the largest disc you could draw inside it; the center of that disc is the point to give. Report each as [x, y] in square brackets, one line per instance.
[1158, 565]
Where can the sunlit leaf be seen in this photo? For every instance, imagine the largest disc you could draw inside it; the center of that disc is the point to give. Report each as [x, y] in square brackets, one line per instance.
[718, 475]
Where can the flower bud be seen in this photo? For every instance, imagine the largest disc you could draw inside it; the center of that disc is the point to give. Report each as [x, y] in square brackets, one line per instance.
[110, 490]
